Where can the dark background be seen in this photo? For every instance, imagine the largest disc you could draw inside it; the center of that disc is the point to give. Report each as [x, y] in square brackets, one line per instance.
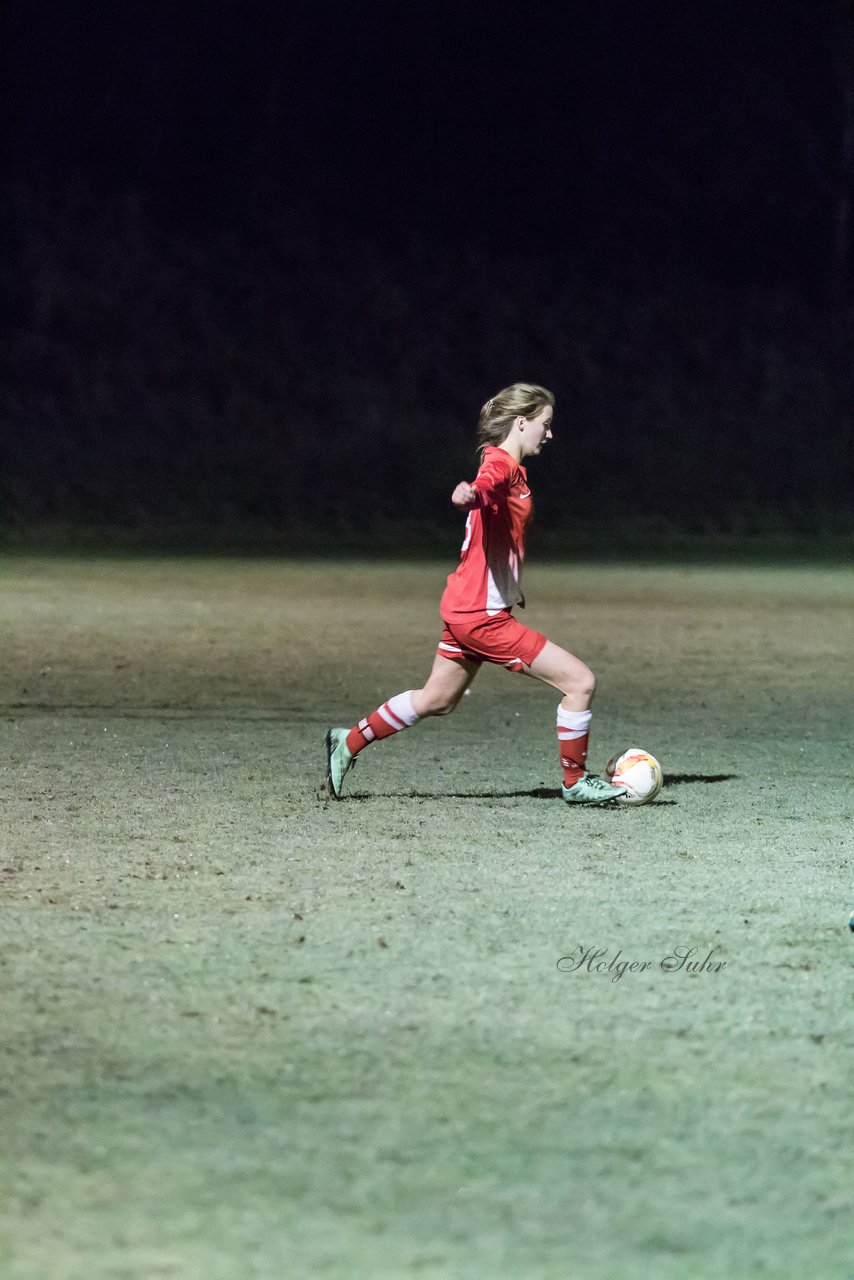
[265, 262]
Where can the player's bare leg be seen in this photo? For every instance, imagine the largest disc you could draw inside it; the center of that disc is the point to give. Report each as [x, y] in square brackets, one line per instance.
[445, 686]
[447, 682]
[574, 679]
[563, 671]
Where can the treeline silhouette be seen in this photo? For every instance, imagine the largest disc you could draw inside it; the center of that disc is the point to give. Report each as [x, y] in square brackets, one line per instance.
[294, 381]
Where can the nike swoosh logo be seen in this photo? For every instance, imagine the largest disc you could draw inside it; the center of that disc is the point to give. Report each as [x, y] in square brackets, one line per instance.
[525, 495]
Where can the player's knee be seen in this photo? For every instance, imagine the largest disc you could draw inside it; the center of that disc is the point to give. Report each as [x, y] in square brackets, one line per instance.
[580, 681]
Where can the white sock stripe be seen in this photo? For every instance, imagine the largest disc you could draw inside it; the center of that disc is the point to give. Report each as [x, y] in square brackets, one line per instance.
[367, 733]
[574, 719]
[569, 735]
[401, 707]
[389, 718]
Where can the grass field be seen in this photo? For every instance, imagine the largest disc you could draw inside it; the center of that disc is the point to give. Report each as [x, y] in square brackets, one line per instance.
[248, 1032]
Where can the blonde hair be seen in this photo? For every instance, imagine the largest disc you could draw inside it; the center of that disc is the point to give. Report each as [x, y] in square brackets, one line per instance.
[497, 416]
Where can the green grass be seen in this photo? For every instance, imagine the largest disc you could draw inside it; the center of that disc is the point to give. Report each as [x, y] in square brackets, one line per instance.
[248, 1032]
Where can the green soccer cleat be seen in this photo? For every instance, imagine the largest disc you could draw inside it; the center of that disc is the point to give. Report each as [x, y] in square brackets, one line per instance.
[589, 789]
[338, 761]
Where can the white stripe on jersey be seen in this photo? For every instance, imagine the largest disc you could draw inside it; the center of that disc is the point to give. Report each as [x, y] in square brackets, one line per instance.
[503, 594]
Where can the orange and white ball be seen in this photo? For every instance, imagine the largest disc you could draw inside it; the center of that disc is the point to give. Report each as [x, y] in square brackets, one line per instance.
[637, 771]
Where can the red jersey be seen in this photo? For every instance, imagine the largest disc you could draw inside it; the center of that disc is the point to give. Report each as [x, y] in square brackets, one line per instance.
[490, 570]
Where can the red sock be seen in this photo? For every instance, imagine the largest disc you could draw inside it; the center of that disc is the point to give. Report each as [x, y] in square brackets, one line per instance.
[396, 714]
[573, 729]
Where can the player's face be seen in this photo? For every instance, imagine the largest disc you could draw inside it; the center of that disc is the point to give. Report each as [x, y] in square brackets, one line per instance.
[538, 430]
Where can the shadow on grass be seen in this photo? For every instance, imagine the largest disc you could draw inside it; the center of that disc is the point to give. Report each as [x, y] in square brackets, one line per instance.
[534, 793]
[680, 779]
[537, 793]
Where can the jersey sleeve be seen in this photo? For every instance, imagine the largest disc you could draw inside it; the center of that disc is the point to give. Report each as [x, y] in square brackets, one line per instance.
[492, 480]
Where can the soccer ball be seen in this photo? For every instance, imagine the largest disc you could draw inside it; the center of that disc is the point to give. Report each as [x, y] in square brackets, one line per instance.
[637, 771]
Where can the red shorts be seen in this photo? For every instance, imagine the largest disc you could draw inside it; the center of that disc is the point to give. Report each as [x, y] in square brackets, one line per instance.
[498, 638]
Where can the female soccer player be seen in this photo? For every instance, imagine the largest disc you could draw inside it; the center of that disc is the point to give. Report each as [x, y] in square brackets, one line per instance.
[477, 605]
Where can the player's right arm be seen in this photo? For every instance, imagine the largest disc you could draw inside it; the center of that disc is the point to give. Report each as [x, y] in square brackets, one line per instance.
[489, 484]
[464, 496]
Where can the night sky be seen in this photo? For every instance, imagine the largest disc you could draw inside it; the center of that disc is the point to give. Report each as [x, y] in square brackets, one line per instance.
[628, 129]
[248, 236]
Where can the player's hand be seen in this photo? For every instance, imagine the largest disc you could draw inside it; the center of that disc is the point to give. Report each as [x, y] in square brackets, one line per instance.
[464, 495]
